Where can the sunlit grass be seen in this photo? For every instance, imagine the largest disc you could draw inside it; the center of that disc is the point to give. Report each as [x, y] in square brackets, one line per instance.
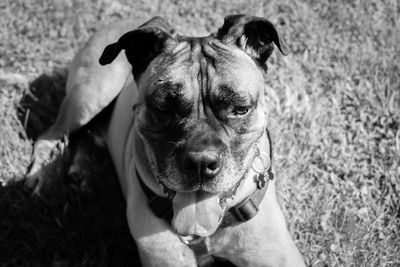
[334, 106]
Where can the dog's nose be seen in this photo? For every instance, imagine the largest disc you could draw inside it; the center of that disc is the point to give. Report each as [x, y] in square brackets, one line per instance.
[207, 164]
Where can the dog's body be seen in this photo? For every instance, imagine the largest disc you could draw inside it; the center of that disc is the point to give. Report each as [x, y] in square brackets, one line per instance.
[187, 127]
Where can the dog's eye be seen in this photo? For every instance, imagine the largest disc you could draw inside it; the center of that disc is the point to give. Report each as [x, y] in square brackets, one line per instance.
[162, 117]
[160, 106]
[240, 110]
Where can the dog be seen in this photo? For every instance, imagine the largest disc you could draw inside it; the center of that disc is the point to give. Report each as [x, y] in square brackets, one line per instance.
[187, 136]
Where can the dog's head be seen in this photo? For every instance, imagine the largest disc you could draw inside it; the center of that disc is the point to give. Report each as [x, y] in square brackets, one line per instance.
[202, 106]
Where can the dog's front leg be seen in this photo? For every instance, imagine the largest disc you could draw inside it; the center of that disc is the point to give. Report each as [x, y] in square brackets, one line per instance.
[157, 244]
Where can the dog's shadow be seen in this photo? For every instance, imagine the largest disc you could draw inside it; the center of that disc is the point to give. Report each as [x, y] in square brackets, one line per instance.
[80, 225]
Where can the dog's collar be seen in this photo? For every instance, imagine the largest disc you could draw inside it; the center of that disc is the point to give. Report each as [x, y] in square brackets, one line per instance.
[160, 206]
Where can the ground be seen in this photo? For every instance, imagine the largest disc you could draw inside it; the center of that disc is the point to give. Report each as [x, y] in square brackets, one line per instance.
[334, 106]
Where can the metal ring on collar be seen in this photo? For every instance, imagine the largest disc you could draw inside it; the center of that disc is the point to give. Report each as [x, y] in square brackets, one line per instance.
[265, 161]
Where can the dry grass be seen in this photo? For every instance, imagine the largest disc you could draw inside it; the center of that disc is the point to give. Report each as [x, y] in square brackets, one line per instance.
[335, 117]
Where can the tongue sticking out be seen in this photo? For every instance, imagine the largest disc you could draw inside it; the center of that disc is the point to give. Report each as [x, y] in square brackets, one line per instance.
[196, 213]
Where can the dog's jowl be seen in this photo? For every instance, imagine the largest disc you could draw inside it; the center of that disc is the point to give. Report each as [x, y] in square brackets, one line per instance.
[187, 136]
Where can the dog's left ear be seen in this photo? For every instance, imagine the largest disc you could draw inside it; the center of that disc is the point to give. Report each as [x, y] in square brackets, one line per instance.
[254, 35]
[141, 45]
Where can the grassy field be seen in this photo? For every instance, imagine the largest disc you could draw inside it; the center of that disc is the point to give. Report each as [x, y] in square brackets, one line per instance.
[334, 116]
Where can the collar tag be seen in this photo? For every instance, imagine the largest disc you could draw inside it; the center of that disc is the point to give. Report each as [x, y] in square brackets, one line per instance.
[260, 180]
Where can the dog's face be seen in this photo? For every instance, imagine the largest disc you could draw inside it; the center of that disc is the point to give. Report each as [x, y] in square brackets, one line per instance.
[200, 110]
[201, 115]
[201, 106]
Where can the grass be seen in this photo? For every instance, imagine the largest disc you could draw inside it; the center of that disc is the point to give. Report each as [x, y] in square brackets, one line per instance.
[334, 116]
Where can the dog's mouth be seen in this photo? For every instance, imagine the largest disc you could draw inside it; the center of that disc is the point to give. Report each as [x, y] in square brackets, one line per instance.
[197, 212]
[200, 213]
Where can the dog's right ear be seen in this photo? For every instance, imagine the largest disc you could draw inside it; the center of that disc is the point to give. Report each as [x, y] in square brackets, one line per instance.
[141, 45]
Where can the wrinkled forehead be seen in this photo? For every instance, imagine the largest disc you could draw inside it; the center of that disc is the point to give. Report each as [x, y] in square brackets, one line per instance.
[232, 67]
[198, 62]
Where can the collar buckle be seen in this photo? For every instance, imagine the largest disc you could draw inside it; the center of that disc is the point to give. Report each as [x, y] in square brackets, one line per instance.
[201, 249]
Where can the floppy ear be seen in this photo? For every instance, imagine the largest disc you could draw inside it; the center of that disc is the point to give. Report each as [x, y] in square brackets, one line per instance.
[254, 35]
[141, 45]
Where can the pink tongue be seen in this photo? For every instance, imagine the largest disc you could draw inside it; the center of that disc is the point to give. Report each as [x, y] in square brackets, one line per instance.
[196, 213]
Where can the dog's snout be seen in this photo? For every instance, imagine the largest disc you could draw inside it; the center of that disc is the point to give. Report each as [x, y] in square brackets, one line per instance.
[210, 165]
[206, 164]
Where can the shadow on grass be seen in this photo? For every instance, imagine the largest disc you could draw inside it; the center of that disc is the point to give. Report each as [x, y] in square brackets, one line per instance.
[79, 227]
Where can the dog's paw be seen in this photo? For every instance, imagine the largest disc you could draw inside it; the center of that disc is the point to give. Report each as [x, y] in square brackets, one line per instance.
[45, 165]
